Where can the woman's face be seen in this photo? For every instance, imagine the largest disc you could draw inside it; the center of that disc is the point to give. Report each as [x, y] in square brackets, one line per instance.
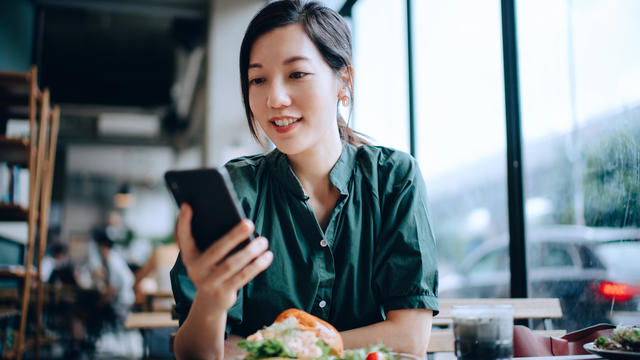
[292, 91]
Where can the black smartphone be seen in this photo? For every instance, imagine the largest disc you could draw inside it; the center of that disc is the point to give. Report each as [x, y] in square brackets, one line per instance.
[211, 195]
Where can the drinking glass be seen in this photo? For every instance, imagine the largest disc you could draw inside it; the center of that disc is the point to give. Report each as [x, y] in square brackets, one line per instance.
[483, 331]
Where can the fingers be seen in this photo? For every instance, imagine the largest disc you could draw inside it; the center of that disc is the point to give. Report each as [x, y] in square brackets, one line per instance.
[214, 267]
[236, 262]
[203, 267]
[187, 244]
[221, 248]
[258, 265]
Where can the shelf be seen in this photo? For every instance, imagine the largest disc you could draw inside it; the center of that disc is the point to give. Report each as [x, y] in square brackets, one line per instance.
[14, 112]
[14, 151]
[16, 82]
[11, 354]
[20, 98]
[15, 79]
[31, 344]
[15, 271]
[8, 313]
[15, 88]
[16, 98]
[12, 212]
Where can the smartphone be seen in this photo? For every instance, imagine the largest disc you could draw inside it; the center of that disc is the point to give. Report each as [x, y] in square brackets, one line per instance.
[211, 195]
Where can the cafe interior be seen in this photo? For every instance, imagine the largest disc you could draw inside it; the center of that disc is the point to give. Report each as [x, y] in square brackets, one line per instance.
[523, 115]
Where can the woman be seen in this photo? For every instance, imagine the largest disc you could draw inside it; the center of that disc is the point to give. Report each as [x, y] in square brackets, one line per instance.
[348, 228]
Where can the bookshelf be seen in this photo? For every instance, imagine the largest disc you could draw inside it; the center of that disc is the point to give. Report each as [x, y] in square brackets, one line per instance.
[21, 98]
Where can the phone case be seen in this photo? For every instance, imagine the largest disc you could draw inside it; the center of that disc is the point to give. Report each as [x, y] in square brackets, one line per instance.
[211, 194]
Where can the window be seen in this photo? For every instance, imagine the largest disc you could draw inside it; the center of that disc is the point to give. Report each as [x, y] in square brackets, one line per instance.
[621, 258]
[555, 255]
[579, 83]
[381, 106]
[491, 262]
[580, 103]
[460, 132]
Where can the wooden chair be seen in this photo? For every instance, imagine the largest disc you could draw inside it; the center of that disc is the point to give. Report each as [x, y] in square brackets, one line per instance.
[442, 339]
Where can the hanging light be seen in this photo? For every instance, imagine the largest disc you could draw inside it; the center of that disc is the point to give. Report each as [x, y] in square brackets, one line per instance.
[124, 199]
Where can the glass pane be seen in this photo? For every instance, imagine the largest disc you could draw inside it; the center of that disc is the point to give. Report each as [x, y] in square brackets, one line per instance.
[381, 107]
[580, 96]
[460, 131]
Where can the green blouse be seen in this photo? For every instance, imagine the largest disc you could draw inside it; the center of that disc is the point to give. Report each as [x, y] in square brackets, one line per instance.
[378, 252]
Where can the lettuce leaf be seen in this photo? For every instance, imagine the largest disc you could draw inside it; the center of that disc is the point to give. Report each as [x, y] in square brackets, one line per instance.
[265, 348]
[361, 354]
[326, 349]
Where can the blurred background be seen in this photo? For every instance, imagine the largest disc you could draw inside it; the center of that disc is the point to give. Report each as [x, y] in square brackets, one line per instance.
[145, 86]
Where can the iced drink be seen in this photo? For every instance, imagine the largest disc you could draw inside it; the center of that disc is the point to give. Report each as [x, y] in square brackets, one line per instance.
[483, 332]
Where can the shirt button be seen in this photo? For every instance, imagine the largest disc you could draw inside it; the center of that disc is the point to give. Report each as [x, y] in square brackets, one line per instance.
[322, 304]
[323, 243]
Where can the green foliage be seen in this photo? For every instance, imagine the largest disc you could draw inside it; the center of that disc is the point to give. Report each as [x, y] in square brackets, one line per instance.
[612, 180]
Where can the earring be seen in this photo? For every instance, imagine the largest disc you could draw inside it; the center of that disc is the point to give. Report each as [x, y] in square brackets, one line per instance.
[345, 100]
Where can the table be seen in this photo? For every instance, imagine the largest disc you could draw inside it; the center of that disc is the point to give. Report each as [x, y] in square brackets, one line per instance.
[570, 357]
[451, 356]
[149, 320]
[150, 297]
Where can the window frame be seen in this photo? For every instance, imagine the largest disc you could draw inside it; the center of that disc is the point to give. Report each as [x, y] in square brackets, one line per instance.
[515, 190]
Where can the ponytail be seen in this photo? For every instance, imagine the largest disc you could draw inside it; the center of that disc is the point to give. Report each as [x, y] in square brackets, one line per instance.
[349, 135]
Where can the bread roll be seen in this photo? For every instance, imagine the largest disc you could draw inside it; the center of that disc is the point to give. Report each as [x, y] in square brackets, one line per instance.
[294, 333]
[323, 329]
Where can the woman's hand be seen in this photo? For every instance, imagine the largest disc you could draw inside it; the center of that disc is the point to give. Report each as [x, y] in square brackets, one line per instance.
[218, 277]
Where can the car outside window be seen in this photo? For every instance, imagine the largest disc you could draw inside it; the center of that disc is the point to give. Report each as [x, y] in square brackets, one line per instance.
[491, 262]
[555, 255]
[621, 258]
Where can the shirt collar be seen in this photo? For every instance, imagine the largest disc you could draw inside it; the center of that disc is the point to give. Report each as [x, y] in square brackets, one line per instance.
[339, 176]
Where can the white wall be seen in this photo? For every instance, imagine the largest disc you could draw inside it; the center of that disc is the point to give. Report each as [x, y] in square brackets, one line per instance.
[126, 163]
[226, 132]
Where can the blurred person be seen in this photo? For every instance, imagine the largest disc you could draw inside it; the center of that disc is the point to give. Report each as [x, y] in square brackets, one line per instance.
[133, 250]
[58, 271]
[104, 295]
[154, 277]
[118, 280]
[56, 266]
[117, 230]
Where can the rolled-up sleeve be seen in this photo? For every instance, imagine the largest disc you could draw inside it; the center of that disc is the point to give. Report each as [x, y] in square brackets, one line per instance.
[406, 268]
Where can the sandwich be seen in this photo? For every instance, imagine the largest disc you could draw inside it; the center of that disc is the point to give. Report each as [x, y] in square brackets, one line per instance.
[294, 334]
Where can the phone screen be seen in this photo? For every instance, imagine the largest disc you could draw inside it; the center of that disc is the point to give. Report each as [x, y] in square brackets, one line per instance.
[210, 193]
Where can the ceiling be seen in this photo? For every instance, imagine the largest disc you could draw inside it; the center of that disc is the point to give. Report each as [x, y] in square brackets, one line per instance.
[115, 52]
[115, 56]
[182, 8]
[118, 56]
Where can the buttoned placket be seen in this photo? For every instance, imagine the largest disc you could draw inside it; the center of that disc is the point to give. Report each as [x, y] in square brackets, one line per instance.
[328, 275]
[324, 262]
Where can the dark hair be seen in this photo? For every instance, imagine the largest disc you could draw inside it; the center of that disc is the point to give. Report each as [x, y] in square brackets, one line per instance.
[102, 238]
[57, 248]
[326, 29]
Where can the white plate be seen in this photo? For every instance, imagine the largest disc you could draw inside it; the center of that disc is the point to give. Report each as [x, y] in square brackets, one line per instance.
[612, 354]
[403, 356]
